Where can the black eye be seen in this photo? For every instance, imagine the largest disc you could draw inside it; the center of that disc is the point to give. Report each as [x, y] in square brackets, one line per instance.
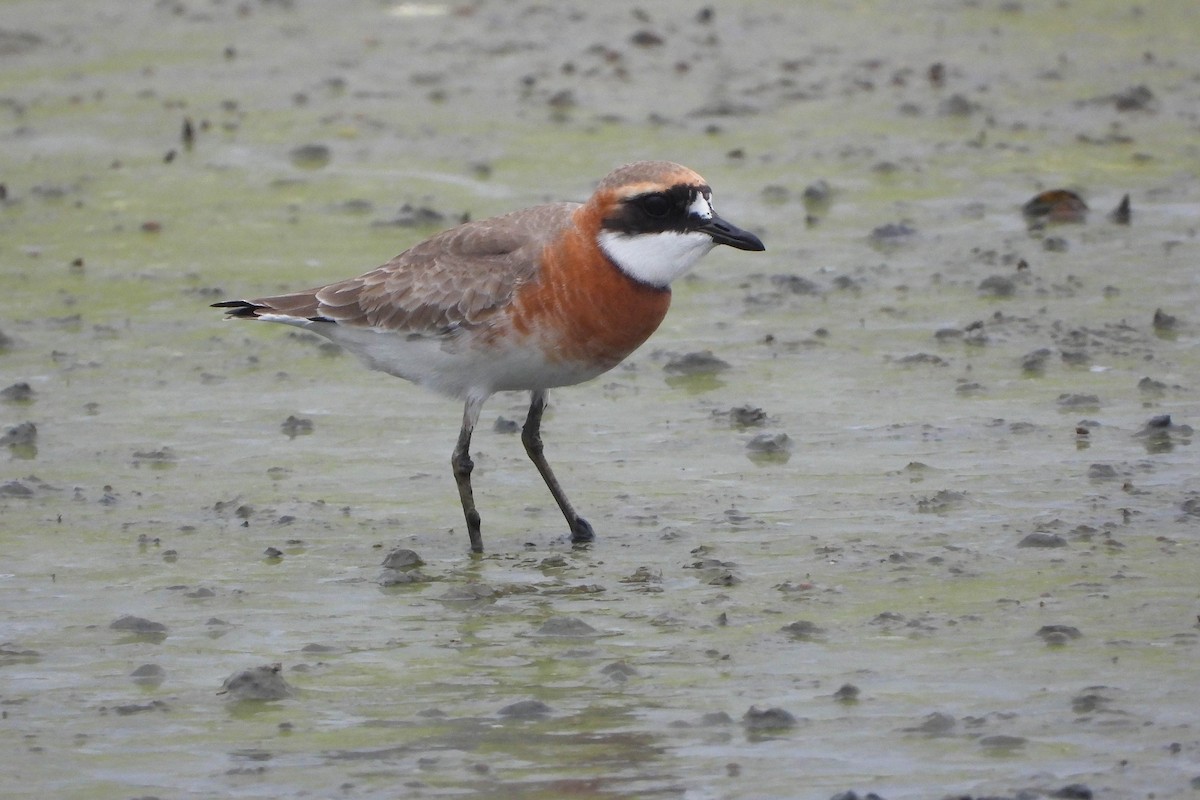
[655, 205]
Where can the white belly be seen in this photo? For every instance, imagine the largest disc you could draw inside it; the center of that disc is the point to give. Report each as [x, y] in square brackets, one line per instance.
[459, 365]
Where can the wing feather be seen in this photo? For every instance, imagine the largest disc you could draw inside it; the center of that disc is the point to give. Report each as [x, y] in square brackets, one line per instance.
[457, 278]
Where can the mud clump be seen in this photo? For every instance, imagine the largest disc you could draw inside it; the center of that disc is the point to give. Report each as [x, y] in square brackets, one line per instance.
[1058, 634]
[743, 416]
[770, 719]
[936, 723]
[769, 447]
[847, 694]
[699, 363]
[310, 156]
[525, 709]
[402, 566]
[138, 625]
[295, 426]
[803, 630]
[23, 435]
[1055, 206]
[20, 393]
[1038, 539]
[566, 627]
[263, 683]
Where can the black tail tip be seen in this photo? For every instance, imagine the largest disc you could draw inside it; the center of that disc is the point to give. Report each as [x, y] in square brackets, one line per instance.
[238, 308]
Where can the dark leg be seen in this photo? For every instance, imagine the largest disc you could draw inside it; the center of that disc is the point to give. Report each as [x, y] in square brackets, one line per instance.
[462, 464]
[531, 437]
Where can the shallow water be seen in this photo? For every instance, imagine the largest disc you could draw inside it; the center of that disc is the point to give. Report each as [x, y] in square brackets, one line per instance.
[160, 475]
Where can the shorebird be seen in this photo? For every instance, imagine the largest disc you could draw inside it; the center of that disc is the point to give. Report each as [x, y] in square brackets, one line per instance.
[544, 297]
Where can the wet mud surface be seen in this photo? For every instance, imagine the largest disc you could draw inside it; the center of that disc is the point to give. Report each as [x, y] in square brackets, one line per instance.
[906, 505]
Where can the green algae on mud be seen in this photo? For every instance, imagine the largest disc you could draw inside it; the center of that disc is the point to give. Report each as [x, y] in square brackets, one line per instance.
[913, 574]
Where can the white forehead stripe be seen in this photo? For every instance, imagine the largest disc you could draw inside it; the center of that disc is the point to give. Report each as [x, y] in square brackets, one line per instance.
[701, 207]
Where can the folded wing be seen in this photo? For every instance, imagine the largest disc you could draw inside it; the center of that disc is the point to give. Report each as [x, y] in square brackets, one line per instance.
[455, 279]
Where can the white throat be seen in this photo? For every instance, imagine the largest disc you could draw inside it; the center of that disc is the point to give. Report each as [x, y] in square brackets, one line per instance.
[659, 258]
[655, 258]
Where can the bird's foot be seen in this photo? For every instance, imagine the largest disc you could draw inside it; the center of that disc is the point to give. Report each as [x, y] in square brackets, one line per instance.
[581, 532]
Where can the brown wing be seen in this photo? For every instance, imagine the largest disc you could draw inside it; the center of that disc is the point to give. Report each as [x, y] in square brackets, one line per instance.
[456, 278]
